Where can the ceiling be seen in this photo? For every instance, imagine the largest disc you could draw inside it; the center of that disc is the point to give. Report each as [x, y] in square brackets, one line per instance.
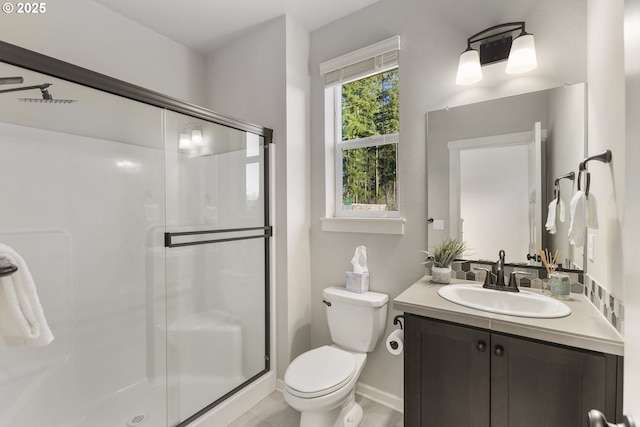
[204, 25]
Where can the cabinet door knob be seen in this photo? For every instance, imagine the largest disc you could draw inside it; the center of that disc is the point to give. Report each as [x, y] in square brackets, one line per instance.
[499, 351]
[481, 346]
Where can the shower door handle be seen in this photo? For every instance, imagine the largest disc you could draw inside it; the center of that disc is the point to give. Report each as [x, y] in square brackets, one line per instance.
[240, 234]
[597, 419]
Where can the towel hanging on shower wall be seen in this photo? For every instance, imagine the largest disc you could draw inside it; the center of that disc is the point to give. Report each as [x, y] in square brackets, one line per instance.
[22, 321]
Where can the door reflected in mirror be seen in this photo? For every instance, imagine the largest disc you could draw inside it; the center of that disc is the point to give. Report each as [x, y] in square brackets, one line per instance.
[485, 175]
[491, 182]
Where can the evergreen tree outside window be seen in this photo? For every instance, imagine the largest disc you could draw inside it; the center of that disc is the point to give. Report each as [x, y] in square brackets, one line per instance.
[368, 122]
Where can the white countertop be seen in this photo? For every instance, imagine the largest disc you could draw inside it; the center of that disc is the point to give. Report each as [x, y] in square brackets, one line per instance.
[584, 328]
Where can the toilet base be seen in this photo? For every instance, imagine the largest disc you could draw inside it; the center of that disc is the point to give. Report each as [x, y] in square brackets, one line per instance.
[349, 414]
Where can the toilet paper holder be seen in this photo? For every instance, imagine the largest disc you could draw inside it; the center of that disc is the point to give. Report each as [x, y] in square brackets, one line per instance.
[395, 340]
[397, 320]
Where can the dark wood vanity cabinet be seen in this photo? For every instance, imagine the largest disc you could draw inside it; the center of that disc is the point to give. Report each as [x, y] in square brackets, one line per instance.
[463, 376]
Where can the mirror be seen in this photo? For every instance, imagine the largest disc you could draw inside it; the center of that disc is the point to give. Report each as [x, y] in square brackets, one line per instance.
[490, 181]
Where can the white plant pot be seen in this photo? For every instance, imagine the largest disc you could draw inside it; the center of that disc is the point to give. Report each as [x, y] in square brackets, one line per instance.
[441, 275]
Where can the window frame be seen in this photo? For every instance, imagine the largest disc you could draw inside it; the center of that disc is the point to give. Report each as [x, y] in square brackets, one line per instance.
[372, 59]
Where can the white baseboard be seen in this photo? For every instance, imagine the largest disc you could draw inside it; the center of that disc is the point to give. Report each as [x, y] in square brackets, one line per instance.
[379, 396]
[372, 393]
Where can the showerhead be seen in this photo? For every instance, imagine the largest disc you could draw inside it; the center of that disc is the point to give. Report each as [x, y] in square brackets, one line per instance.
[46, 96]
[47, 99]
[11, 80]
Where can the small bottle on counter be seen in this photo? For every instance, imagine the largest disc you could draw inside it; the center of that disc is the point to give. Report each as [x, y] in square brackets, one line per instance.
[559, 285]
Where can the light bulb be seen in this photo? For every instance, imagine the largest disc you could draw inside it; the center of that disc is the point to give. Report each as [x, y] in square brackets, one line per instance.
[184, 142]
[469, 71]
[522, 57]
[196, 137]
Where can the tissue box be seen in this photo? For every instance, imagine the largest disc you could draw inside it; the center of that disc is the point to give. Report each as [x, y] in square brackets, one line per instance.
[357, 282]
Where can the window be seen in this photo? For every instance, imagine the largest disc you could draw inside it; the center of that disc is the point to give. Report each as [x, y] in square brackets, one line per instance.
[362, 98]
[367, 147]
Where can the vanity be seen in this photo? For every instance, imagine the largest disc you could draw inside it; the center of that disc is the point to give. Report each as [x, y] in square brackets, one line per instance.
[475, 368]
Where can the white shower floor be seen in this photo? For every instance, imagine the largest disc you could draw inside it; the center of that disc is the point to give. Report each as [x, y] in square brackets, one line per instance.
[145, 403]
[142, 404]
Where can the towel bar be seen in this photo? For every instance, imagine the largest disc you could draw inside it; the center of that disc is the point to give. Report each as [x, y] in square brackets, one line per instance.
[6, 268]
[556, 189]
[604, 157]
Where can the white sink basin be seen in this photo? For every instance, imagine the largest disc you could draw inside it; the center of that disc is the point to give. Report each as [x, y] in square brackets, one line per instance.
[523, 303]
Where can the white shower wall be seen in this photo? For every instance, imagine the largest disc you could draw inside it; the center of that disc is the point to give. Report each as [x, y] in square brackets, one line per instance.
[78, 203]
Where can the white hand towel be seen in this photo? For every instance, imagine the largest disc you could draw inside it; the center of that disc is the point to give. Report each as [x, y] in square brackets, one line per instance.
[551, 217]
[578, 219]
[591, 206]
[561, 211]
[22, 321]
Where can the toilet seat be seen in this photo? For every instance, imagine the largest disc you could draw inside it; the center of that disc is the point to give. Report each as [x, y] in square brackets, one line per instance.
[319, 372]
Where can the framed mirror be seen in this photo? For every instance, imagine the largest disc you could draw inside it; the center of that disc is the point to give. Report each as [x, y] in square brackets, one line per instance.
[491, 170]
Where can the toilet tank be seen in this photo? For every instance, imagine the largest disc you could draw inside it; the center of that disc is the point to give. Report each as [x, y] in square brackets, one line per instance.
[356, 321]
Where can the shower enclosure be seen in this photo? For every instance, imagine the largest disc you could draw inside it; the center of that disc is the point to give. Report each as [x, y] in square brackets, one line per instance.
[145, 223]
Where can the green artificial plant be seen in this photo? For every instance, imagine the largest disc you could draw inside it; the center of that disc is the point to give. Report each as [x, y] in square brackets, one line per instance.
[446, 252]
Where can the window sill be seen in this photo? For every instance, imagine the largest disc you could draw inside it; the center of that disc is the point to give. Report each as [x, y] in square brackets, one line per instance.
[364, 225]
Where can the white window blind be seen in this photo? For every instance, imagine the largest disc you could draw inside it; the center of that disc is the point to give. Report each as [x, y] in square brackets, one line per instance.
[370, 60]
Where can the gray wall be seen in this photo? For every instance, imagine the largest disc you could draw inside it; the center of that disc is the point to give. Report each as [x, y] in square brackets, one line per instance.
[433, 35]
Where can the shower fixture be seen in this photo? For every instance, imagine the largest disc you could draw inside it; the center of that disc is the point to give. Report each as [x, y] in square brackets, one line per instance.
[10, 80]
[46, 96]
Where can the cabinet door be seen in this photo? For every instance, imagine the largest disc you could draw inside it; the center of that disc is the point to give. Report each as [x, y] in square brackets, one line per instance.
[535, 384]
[447, 371]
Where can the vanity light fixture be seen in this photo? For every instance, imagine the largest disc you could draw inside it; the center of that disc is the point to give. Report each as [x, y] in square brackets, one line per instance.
[184, 142]
[497, 44]
[190, 138]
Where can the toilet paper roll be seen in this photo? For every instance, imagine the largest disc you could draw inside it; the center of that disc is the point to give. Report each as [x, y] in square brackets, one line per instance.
[395, 342]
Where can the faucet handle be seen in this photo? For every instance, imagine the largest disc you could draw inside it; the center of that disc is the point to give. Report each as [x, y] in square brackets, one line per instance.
[488, 278]
[512, 285]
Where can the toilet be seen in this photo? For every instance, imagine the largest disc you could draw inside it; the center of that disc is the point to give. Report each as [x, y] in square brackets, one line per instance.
[321, 383]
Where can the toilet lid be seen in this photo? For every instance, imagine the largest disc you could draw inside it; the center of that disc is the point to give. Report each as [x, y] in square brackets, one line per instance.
[319, 371]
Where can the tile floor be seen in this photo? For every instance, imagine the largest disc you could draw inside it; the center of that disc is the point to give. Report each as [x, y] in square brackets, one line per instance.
[273, 411]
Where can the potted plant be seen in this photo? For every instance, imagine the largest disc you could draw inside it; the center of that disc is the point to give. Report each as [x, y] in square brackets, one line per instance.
[442, 256]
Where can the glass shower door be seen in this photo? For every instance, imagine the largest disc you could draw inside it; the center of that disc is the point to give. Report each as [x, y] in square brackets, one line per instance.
[216, 252]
